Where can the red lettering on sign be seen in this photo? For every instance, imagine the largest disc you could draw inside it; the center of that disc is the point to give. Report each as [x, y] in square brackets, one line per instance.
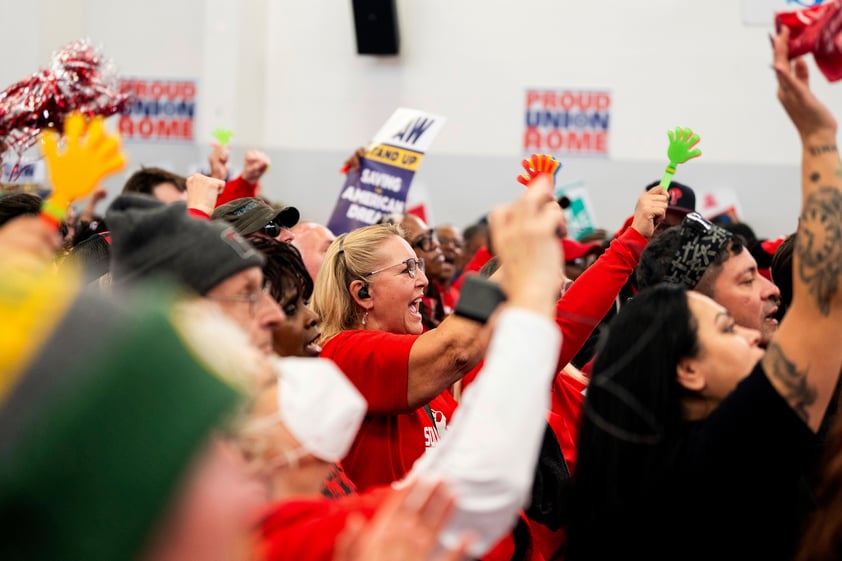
[568, 100]
[159, 89]
[532, 140]
[156, 129]
[556, 140]
[531, 97]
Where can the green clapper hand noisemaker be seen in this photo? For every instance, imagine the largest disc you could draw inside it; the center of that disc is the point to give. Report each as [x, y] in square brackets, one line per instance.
[223, 136]
[681, 148]
[538, 164]
[74, 172]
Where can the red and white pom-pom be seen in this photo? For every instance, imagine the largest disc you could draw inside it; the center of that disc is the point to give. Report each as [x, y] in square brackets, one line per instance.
[79, 78]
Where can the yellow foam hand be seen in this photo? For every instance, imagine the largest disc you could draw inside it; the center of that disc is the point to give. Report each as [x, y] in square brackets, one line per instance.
[87, 158]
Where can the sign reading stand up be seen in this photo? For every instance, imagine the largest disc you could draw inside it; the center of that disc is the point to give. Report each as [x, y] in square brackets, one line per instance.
[381, 184]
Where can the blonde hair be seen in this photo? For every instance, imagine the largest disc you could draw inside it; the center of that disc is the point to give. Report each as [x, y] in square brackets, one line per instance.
[349, 257]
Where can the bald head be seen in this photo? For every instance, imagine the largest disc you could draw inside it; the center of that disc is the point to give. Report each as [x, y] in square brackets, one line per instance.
[312, 240]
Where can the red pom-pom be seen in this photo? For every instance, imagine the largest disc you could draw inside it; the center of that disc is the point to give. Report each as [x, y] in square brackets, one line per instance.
[79, 79]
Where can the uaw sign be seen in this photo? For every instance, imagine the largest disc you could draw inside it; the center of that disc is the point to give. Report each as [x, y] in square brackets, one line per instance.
[381, 184]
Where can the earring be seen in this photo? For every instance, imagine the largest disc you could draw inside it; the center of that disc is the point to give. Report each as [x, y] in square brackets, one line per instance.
[365, 318]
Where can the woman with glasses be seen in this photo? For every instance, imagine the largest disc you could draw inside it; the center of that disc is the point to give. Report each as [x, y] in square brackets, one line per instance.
[375, 280]
[368, 296]
[425, 242]
[694, 441]
[297, 430]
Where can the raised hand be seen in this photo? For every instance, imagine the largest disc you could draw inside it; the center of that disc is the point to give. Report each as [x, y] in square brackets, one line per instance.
[807, 113]
[682, 147]
[650, 211]
[202, 192]
[81, 166]
[353, 161]
[537, 164]
[255, 165]
[218, 161]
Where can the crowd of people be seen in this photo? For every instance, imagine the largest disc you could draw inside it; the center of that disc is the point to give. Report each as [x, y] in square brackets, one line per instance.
[199, 373]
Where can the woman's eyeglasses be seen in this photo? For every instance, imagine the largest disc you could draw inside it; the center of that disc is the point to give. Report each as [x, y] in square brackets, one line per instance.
[426, 241]
[412, 267]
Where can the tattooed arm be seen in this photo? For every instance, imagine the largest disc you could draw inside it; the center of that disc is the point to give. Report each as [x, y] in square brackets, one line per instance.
[804, 358]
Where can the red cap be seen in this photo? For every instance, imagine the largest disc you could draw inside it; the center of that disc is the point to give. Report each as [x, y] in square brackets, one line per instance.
[574, 250]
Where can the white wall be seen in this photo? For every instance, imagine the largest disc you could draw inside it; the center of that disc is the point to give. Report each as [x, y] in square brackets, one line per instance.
[666, 62]
[285, 77]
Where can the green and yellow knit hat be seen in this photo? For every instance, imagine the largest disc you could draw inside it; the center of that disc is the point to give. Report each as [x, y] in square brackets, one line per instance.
[102, 408]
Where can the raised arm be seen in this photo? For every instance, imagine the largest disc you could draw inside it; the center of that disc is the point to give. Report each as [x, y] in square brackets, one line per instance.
[491, 470]
[804, 358]
[443, 355]
[588, 299]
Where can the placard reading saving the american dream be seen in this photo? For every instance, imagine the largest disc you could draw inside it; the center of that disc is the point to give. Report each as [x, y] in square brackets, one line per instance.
[381, 184]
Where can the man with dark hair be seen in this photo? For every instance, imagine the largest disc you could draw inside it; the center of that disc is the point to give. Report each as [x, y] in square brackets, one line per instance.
[709, 259]
[781, 270]
[18, 204]
[164, 185]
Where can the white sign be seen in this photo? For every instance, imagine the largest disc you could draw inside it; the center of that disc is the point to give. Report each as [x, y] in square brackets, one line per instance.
[23, 173]
[410, 129]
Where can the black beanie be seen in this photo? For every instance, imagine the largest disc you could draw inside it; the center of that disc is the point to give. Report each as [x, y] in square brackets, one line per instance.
[151, 239]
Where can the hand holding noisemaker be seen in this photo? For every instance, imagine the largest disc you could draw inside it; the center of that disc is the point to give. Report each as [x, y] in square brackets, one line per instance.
[682, 148]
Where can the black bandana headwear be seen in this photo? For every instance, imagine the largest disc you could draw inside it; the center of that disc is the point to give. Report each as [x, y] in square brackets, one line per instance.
[701, 242]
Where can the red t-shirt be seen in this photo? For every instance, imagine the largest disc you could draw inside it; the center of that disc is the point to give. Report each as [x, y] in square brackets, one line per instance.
[392, 436]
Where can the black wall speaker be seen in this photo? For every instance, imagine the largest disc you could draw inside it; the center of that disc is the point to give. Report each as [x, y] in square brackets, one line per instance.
[376, 26]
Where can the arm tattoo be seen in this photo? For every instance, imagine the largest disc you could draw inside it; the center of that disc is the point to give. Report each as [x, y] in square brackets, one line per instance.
[819, 245]
[824, 149]
[798, 393]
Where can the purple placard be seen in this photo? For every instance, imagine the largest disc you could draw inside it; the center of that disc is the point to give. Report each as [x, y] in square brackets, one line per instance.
[371, 192]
